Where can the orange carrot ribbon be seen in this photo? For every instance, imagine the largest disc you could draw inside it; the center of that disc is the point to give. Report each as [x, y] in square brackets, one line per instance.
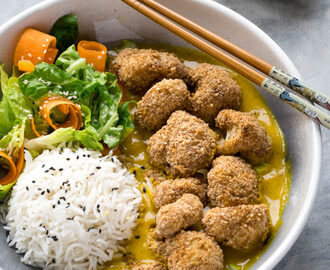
[14, 169]
[33, 47]
[95, 53]
[64, 105]
[33, 126]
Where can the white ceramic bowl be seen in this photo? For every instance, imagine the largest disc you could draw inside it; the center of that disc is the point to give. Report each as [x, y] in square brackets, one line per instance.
[109, 20]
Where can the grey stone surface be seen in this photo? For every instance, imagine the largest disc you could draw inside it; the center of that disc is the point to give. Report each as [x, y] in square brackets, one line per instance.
[302, 29]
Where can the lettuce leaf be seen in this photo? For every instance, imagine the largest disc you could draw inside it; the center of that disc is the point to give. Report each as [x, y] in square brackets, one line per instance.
[97, 92]
[87, 137]
[65, 30]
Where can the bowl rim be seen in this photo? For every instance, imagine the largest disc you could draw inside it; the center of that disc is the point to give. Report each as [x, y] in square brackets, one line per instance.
[300, 222]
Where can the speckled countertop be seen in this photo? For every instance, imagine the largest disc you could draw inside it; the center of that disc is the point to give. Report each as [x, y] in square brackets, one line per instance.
[302, 29]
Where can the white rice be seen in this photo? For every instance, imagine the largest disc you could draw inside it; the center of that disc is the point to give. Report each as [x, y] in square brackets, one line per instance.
[70, 209]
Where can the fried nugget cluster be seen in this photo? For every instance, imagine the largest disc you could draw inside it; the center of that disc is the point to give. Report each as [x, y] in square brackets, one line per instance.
[183, 146]
[240, 227]
[160, 101]
[232, 181]
[193, 250]
[139, 69]
[179, 215]
[215, 90]
[244, 135]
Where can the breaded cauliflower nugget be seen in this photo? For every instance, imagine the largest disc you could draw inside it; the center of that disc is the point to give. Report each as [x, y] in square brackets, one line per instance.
[215, 90]
[170, 190]
[183, 146]
[149, 266]
[181, 214]
[139, 69]
[191, 250]
[244, 135]
[240, 227]
[232, 182]
[160, 102]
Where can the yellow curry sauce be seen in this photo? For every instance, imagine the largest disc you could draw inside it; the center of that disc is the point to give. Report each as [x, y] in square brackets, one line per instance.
[275, 175]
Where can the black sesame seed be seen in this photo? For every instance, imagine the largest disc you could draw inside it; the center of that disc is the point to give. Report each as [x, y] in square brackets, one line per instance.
[54, 206]
[84, 155]
[92, 174]
[98, 206]
[39, 188]
[144, 190]
[53, 260]
[164, 172]
[68, 205]
[115, 188]
[66, 191]
[78, 157]
[52, 168]
[48, 191]
[137, 236]
[89, 156]
[67, 159]
[43, 166]
[23, 228]
[98, 210]
[112, 159]
[98, 167]
[27, 188]
[134, 172]
[33, 181]
[58, 202]
[89, 229]
[143, 168]
[46, 232]
[46, 171]
[60, 169]
[55, 238]
[42, 192]
[115, 210]
[100, 230]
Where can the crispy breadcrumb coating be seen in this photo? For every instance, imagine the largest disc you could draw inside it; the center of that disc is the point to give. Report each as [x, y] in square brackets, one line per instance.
[170, 190]
[244, 135]
[139, 69]
[160, 102]
[191, 250]
[240, 227]
[232, 181]
[215, 90]
[149, 266]
[183, 146]
[181, 214]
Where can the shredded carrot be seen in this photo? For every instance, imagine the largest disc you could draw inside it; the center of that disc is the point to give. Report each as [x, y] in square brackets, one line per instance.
[20, 162]
[70, 109]
[25, 65]
[35, 46]
[34, 128]
[12, 172]
[95, 53]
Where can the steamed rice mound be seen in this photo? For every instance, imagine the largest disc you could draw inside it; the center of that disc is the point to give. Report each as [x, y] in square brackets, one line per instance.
[70, 209]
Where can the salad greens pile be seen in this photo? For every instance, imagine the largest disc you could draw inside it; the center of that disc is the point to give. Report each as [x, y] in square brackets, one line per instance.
[106, 121]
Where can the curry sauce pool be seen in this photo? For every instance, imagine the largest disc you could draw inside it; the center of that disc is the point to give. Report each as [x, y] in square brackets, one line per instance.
[274, 176]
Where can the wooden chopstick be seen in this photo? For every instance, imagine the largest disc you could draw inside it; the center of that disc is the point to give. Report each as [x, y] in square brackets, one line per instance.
[260, 79]
[253, 60]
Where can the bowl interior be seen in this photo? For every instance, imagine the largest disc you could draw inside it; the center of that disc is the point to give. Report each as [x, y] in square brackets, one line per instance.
[110, 20]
